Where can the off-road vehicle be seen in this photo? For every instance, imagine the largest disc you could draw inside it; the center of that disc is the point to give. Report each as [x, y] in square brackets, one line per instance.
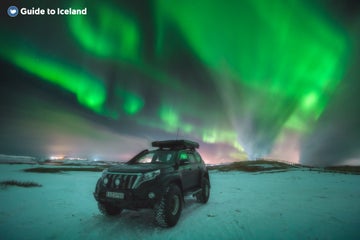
[158, 179]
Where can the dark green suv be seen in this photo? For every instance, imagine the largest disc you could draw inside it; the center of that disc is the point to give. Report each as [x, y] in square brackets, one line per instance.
[157, 179]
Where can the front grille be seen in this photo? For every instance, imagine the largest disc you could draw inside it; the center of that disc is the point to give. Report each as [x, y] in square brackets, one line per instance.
[126, 181]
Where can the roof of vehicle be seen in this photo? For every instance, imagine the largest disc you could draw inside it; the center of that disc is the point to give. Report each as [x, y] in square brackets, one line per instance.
[175, 144]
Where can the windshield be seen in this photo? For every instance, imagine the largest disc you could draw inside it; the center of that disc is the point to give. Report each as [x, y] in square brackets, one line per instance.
[157, 156]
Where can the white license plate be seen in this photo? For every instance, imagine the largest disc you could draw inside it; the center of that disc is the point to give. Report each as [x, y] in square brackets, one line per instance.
[118, 195]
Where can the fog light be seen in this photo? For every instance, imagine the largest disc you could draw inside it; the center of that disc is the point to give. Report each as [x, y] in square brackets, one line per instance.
[151, 195]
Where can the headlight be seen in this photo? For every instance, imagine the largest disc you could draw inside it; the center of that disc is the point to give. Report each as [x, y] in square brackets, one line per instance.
[105, 181]
[103, 174]
[104, 178]
[150, 175]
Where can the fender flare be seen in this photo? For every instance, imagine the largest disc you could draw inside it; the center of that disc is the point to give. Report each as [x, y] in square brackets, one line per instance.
[172, 179]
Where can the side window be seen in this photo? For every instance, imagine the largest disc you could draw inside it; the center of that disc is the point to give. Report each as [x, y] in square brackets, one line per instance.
[168, 157]
[183, 157]
[198, 158]
[187, 157]
[163, 157]
[191, 158]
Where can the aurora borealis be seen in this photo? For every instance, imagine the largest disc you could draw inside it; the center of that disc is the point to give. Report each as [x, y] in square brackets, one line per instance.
[247, 79]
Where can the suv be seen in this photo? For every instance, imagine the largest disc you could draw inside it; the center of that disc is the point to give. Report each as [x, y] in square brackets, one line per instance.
[157, 179]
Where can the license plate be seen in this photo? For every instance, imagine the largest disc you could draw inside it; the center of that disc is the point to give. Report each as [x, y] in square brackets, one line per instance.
[117, 195]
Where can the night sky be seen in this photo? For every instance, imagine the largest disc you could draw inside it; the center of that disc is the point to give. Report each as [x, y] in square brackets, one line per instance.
[246, 79]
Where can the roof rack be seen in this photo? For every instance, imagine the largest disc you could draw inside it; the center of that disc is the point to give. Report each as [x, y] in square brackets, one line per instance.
[175, 144]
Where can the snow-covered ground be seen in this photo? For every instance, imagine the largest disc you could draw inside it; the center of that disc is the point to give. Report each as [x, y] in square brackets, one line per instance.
[285, 205]
[17, 159]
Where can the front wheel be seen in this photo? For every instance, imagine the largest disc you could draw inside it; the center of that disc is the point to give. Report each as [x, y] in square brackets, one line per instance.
[168, 209]
[204, 194]
[109, 210]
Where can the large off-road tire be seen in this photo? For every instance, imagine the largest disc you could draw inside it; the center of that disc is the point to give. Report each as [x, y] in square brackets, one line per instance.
[109, 210]
[168, 209]
[204, 194]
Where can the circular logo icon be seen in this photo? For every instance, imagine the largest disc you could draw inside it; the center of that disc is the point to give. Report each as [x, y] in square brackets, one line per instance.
[13, 11]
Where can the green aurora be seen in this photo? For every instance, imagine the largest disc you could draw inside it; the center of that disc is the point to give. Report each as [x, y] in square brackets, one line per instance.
[268, 67]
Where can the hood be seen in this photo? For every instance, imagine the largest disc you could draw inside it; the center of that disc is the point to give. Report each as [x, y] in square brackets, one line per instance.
[138, 168]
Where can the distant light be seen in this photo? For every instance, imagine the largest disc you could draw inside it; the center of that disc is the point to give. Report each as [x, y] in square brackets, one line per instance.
[56, 157]
[75, 158]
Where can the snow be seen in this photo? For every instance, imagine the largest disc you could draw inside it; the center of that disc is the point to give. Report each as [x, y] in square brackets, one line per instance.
[295, 204]
[17, 159]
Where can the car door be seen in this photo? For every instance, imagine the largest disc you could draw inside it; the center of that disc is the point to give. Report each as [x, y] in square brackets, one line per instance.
[195, 170]
[188, 170]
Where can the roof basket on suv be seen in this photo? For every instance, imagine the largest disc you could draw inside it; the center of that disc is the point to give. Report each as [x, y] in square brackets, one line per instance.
[175, 144]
